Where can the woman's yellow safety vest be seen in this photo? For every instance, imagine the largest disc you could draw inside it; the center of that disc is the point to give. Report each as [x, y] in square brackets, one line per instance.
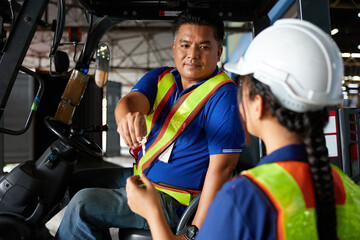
[179, 117]
[289, 187]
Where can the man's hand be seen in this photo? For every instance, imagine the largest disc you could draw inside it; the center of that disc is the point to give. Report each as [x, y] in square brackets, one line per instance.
[143, 198]
[130, 118]
[132, 128]
[181, 237]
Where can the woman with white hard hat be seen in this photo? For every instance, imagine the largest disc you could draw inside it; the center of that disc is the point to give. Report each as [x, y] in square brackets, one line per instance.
[290, 73]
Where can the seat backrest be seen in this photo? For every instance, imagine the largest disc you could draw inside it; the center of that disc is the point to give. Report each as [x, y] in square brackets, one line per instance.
[142, 234]
[134, 234]
[188, 216]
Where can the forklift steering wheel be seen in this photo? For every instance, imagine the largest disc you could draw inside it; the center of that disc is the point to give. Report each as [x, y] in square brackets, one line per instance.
[72, 137]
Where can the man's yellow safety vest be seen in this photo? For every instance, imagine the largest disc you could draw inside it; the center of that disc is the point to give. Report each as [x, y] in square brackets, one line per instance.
[179, 117]
[294, 200]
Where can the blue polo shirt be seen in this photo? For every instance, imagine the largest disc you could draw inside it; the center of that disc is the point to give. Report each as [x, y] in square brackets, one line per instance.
[215, 130]
[241, 210]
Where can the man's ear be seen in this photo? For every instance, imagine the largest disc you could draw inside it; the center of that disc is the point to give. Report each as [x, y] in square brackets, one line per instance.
[258, 106]
[220, 50]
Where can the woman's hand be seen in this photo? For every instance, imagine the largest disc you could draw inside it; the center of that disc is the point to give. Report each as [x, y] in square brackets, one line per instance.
[143, 198]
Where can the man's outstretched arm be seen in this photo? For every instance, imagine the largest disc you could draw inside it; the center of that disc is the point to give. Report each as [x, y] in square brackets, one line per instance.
[130, 117]
[221, 167]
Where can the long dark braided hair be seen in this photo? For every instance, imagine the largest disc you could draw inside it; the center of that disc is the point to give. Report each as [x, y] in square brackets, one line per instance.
[309, 126]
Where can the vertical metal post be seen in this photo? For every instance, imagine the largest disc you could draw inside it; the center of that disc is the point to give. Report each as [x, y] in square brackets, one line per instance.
[317, 12]
[2, 154]
[260, 24]
[14, 52]
[17, 45]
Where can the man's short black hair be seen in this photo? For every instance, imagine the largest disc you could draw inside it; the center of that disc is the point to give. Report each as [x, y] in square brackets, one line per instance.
[200, 16]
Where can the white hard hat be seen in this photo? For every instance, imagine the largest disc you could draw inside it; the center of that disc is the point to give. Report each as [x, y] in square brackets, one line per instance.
[301, 64]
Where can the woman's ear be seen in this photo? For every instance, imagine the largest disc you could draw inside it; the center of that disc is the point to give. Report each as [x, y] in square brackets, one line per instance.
[258, 107]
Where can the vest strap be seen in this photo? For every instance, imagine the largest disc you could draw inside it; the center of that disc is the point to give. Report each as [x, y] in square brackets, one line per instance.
[182, 195]
[283, 185]
[165, 88]
[179, 117]
[285, 195]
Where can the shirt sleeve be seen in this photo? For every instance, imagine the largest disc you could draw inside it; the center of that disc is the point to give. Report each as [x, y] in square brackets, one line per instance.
[224, 220]
[147, 85]
[240, 210]
[222, 125]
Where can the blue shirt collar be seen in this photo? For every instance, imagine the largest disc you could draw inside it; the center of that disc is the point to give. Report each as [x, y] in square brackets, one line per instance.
[287, 153]
[177, 77]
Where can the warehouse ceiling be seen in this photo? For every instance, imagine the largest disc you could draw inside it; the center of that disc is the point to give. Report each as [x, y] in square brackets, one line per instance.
[345, 25]
[137, 46]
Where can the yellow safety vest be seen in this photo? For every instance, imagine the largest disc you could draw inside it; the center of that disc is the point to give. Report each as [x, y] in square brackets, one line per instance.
[179, 117]
[294, 199]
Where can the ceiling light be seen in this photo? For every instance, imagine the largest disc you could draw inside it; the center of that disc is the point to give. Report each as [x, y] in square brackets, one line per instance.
[359, 14]
[358, 46]
[353, 55]
[353, 91]
[334, 31]
[353, 85]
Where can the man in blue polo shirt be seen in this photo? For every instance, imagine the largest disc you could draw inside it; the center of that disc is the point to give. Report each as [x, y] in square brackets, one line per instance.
[193, 128]
[210, 133]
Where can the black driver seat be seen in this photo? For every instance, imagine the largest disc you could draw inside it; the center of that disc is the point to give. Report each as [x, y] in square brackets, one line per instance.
[11, 228]
[142, 234]
[134, 234]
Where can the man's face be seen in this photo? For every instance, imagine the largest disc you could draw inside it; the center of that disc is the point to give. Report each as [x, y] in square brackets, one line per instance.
[196, 52]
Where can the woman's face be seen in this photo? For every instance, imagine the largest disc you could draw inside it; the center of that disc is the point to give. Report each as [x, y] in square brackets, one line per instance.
[245, 105]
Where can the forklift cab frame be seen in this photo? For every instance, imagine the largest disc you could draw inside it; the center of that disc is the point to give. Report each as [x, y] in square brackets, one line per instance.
[107, 14]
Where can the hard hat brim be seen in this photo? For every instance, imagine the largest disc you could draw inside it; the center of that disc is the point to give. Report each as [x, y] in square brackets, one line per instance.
[241, 67]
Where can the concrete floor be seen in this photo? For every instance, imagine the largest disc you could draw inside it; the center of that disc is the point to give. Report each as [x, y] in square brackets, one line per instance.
[54, 223]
